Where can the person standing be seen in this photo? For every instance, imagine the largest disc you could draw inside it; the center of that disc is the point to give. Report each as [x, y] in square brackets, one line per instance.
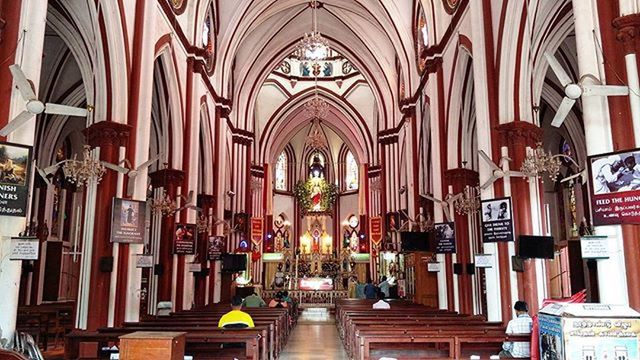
[384, 286]
[520, 325]
[370, 291]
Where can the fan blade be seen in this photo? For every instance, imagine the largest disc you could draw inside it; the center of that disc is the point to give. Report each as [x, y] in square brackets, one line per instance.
[557, 68]
[569, 178]
[563, 112]
[488, 160]
[131, 183]
[489, 182]
[43, 175]
[65, 110]
[24, 86]
[17, 122]
[114, 167]
[605, 90]
[515, 174]
[429, 197]
[52, 169]
[148, 163]
[189, 198]
[193, 207]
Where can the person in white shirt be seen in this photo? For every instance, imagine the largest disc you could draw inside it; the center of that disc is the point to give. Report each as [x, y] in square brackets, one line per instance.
[519, 326]
[384, 286]
[607, 172]
[381, 304]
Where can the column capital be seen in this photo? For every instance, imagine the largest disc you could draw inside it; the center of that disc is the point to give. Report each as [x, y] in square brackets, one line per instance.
[107, 133]
[519, 133]
[462, 177]
[166, 177]
[206, 201]
[627, 27]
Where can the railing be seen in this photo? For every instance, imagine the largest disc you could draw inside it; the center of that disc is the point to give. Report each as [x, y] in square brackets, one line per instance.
[311, 298]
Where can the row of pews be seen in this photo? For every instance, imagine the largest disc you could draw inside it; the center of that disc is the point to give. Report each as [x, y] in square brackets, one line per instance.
[204, 340]
[413, 331]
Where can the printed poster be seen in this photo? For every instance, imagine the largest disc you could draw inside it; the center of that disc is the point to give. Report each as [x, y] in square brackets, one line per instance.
[128, 221]
[184, 241]
[497, 220]
[445, 238]
[15, 169]
[215, 247]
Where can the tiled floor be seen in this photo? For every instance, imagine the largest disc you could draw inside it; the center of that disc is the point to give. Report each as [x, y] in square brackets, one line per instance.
[315, 337]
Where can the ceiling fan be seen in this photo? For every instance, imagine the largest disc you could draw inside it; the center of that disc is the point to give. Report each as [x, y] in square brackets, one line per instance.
[34, 106]
[130, 171]
[581, 174]
[446, 203]
[497, 172]
[573, 91]
[188, 203]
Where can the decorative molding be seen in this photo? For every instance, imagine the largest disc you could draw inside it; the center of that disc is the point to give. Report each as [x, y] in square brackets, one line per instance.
[206, 201]
[107, 133]
[628, 27]
[462, 177]
[166, 178]
[519, 133]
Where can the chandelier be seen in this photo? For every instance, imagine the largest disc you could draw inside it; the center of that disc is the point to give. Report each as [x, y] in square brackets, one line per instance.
[203, 225]
[317, 107]
[316, 139]
[468, 201]
[313, 46]
[163, 205]
[81, 172]
[538, 162]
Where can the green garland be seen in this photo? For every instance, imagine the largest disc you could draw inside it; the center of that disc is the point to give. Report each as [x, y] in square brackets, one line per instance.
[302, 191]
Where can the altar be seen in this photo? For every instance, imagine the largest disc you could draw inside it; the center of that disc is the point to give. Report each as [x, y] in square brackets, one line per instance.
[315, 283]
[312, 298]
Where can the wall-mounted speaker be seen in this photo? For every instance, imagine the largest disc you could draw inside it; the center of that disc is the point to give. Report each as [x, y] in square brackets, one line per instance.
[158, 269]
[457, 268]
[517, 263]
[106, 264]
[471, 269]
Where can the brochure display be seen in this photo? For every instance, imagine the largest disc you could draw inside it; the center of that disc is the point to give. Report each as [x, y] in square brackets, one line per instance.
[588, 331]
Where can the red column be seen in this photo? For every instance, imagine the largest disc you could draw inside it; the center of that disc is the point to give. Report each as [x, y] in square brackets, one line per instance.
[9, 30]
[169, 179]
[517, 135]
[460, 179]
[206, 203]
[626, 32]
[109, 137]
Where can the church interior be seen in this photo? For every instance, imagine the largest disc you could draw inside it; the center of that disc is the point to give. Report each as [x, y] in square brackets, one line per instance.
[469, 165]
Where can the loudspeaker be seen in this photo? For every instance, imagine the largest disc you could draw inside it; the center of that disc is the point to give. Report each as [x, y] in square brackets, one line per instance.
[517, 263]
[106, 264]
[158, 269]
[471, 269]
[204, 272]
[457, 268]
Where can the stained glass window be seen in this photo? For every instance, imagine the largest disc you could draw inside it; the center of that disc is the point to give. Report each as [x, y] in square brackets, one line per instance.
[281, 172]
[351, 179]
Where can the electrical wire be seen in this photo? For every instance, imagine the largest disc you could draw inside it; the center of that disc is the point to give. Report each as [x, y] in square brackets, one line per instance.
[608, 64]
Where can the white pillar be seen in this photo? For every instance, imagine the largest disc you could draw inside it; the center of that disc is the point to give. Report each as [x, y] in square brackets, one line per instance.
[32, 19]
[613, 289]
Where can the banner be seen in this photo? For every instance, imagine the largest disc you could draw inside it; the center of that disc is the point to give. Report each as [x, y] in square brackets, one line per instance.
[128, 221]
[184, 241]
[497, 220]
[375, 229]
[24, 248]
[445, 238]
[256, 230]
[215, 247]
[15, 169]
[615, 187]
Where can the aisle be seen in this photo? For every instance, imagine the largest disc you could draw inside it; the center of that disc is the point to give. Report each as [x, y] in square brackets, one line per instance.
[315, 337]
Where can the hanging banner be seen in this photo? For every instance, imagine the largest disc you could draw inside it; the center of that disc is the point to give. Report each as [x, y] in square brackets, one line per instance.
[375, 229]
[215, 247]
[15, 169]
[256, 230]
[184, 242]
[497, 220]
[128, 220]
[24, 248]
[445, 238]
[615, 187]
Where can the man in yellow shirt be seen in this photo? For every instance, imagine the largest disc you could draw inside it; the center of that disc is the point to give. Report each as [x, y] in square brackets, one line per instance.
[236, 318]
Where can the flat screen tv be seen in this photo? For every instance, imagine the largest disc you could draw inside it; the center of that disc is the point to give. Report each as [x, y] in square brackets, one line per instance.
[234, 263]
[536, 247]
[417, 241]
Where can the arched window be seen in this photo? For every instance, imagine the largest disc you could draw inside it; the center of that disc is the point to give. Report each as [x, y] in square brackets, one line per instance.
[316, 166]
[208, 37]
[281, 172]
[422, 37]
[351, 172]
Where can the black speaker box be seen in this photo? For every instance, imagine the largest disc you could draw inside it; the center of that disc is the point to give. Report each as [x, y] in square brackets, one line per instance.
[204, 272]
[158, 269]
[517, 263]
[457, 268]
[106, 264]
[471, 269]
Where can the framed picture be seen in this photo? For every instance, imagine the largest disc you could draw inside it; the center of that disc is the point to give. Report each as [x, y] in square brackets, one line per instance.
[184, 241]
[445, 238]
[15, 171]
[615, 187]
[128, 221]
[497, 220]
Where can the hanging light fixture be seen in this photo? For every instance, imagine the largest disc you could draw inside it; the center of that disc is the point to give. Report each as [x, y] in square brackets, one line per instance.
[468, 201]
[538, 162]
[313, 46]
[203, 225]
[316, 139]
[164, 204]
[81, 172]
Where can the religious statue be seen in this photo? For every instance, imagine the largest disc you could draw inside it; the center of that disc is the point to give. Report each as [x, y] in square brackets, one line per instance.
[287, 266]
[316, 197]
[279, 278]
[328, 69]
[277, 242]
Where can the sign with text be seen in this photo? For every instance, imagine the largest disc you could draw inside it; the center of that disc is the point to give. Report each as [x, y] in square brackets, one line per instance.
[433, 267]
[375, 229]
[483, 260]
[497, 220]
[445, 238]
[128, 219]
[615, 187]
[144, 261]
[15, 169]
[24, 248]
[594, 247]
[256, 230]
[184, 241]
[215, 247]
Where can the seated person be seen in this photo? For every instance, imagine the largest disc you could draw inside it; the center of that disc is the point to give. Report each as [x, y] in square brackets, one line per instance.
[236, 318]
[278, 301]
[520, 325]
[254, 300]
[370, 291]
[287, 298]
[381, 304]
